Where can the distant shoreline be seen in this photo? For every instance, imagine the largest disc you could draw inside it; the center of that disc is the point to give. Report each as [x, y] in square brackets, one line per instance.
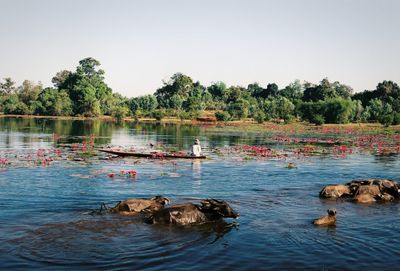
[110, 118]
[55, 117]
[172, 120]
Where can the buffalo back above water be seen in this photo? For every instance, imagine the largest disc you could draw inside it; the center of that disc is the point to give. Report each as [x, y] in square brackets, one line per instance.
[135, 206]
[189, 213]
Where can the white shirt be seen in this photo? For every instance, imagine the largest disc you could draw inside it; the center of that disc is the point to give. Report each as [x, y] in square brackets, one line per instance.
[196, 150]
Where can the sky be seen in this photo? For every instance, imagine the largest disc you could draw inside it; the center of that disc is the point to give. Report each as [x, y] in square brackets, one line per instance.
[141, 43]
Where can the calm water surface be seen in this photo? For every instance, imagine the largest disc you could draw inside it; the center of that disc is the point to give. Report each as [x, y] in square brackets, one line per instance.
[43, 210]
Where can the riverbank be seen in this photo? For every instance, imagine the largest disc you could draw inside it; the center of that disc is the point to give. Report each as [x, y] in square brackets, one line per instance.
[108, 118]
[250, 124]
[174, 120]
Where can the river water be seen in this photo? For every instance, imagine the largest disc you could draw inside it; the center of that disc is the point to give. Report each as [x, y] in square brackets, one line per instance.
[44, 221]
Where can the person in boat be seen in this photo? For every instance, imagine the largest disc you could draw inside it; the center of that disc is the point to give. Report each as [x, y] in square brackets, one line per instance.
[196, 148]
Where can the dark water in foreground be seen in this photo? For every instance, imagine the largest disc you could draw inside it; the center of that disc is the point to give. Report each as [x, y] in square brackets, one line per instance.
[43, 225]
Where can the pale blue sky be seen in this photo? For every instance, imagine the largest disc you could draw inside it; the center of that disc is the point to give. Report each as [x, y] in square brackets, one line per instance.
[140, 43]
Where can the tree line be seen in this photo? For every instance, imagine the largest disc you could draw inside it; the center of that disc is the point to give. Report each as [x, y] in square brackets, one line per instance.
[83, 92]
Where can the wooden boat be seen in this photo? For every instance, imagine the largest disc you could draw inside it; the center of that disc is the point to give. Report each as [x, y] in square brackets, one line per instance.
[154, 155]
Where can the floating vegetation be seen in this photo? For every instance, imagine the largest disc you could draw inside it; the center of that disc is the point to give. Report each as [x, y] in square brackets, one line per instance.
[123, 173]
[324, 142]
[291, 166]
[273, 141]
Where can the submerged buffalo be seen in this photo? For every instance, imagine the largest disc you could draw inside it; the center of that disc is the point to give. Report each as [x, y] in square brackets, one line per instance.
[363, 191]
[328, 220]
[335, 191]
[136, 206]
[188, 213]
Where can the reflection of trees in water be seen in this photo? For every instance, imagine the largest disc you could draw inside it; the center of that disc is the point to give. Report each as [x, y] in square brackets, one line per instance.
[65, 128]
[229, 140]
[102, 130]
[16, 124]
[177, 135]
[180, 136]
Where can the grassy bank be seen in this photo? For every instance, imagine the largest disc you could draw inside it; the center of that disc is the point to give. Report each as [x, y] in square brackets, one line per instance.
[107, 118]
[248, 124]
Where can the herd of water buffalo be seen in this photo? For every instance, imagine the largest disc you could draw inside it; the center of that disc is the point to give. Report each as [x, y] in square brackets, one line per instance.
[154, 210]
[359, 191]
[363, 191]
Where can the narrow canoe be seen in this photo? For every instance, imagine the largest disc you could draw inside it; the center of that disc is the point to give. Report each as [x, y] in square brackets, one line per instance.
[155, 155]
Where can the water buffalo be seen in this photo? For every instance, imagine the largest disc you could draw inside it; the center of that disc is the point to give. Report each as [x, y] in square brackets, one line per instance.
[189, 213]
[363, 191]
[136, 206]
[366, 193]
[334, 191]
[364, 198]
[327, 220]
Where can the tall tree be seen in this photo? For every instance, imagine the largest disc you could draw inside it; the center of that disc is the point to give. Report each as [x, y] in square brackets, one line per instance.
[217, 90]
[272, 90]
[388, 89]
[342, 90]
[60, 79]
[54, 102]
[294, 91]
[7, 87]
[90, 68]
[255, 89]
[179, 85]
[147, 103]
[194, 102]
[29, 91]
[234, 93]
[86, 88]
[323, 91]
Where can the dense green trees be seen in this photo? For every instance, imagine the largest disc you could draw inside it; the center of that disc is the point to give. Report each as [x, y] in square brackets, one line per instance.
[381, 104]
[54, 102]
[79, 93]
[175, 91]
[19, 100]
[86, 87]
[83, 92]
[325, 102]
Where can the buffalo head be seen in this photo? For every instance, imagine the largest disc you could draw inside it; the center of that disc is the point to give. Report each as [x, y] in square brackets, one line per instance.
[218, 208]
[161, 200]
[331, 212]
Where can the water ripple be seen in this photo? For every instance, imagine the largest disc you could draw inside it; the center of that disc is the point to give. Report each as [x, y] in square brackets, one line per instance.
[43, 226]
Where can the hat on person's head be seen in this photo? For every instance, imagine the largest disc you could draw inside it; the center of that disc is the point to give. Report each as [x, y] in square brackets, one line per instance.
[196, 141]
